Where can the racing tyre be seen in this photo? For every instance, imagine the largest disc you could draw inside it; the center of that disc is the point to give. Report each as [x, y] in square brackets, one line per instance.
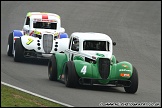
[52, 69]
[134, 82]
[10, 45]
[19, 51]
[71, 77]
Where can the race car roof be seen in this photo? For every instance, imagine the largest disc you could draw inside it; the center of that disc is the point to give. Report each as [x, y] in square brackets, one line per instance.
[29, 14]
[91, 36]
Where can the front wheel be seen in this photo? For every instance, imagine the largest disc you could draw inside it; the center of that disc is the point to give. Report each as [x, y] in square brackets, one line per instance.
[19, 51]
[52, 68]
[134, 82]
[71, 77]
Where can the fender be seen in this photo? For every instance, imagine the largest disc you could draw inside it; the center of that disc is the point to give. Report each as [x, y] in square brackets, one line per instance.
[83, 68]
[61, 58]
[17, 33]
[122, 70]
[86, 69]
[61, 44]
[63, 35]
[29, 42]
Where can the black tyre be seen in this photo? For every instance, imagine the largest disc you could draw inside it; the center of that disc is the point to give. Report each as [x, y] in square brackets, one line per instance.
[71, 77]
[134, 82]
[10, 45]
[19, 51]
[52, 68]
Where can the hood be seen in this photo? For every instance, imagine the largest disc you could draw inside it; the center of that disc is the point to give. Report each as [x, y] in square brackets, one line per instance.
[46, 31]
[105, 54]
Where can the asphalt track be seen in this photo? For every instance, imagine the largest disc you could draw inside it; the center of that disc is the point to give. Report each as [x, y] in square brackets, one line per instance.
[134, 25]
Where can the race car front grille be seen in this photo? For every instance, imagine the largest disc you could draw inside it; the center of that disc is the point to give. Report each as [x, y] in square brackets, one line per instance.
[104, 67]
[47, 42]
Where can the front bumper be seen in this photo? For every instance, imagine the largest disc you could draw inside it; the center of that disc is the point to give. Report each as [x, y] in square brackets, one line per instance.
[34, 54]
[116, 83]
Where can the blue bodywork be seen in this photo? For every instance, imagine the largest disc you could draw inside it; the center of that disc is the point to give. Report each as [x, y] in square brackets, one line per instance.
[17, 33]
[63, 35]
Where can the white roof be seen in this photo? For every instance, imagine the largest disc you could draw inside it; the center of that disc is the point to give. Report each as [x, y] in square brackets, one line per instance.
[91, 36]
[42, 13]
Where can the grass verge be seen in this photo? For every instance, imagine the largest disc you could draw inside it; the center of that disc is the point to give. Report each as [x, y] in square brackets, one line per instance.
[11, 97]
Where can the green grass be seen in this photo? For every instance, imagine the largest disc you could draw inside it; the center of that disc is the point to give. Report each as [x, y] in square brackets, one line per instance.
[11, 97]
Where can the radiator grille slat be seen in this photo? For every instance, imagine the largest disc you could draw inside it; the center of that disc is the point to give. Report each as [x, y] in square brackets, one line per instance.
[104, 67]
[47, 42]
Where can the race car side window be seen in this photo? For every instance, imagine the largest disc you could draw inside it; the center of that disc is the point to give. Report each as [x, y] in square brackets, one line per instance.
[75, 44]
[108, 46]
[70, 42]
[27, 21]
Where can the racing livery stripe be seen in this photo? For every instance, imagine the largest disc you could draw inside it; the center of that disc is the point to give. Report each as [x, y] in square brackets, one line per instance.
[31, 33]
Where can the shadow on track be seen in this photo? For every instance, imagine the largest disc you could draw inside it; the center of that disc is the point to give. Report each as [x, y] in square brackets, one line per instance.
[91, 88]
[27, 60]
[101, 88]
[36, 61]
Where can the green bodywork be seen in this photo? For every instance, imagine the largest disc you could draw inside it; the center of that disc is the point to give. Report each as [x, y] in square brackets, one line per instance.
[90, 70]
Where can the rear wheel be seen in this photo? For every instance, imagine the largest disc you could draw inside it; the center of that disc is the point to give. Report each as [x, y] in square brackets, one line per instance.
[10, 45]
[134, 82]
[52, 68]
[19, 51]
[71, 77]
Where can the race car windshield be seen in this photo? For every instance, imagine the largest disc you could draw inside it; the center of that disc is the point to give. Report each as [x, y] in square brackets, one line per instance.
[45, 25]
[94, 45]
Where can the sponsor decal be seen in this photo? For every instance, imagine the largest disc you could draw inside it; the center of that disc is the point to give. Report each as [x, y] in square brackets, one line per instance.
[56, 34]
[124, 70]
[124, 75]
[124, 65]
[43, 20]
[98, 54]
[34, 32]
[37, 32]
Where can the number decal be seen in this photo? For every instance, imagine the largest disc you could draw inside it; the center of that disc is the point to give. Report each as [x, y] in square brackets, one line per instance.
[84, 69]
[30, 41]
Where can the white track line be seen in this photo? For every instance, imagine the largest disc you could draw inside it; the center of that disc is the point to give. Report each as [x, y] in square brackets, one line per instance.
[43, 97]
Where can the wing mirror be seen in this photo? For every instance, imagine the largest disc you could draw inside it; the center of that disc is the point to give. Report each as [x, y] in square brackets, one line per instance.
[26, 27]
[114, 43]
[62, 30]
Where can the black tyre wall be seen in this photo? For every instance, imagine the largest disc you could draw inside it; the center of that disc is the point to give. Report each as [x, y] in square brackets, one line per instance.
[71, 75]
[10, 43]
[19, 51]
[134, 82]
[52, 68]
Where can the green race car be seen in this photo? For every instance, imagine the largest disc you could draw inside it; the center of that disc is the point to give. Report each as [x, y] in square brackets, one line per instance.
[89, 61]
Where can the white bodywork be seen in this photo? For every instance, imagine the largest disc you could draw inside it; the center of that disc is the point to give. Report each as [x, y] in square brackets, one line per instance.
[42, 17]
[58, 45]
[44, 45]
[92, 54]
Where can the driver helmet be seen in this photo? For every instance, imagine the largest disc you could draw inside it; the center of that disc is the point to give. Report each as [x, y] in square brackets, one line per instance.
[46, 24]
